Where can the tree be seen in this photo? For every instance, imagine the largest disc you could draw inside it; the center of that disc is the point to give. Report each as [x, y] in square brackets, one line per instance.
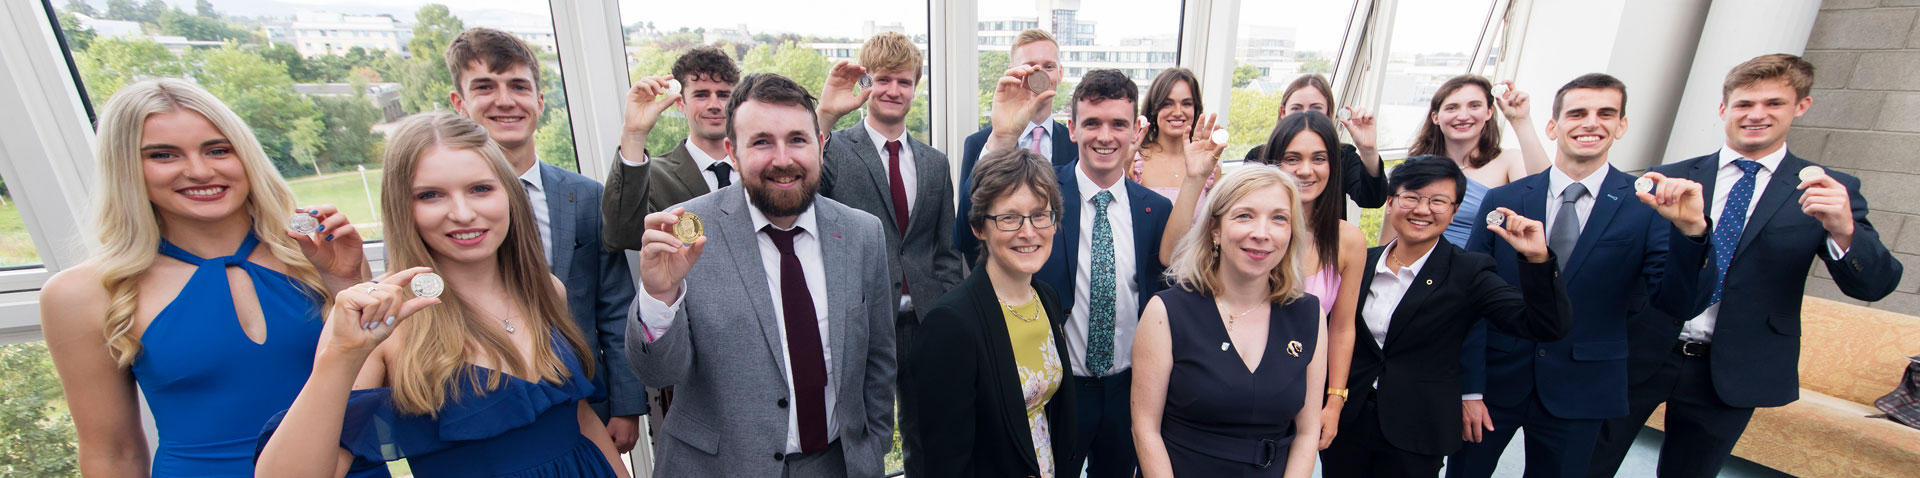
[82, 7]
[199, 28]
[123, 10]
[306, 142]
[1251, 120]
[348, 124]
[151, 11]
[262, 94]
[1244, 74]
[425, 75]
[39, 436]
[78, 38]
[554, 141]
[113, 62]
[205, 9]
[801, 64]
[1317, 65]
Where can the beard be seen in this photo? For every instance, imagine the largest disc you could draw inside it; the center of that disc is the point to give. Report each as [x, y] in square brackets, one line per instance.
[781, 203]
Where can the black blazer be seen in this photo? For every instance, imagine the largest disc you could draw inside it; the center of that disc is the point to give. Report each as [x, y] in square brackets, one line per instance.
[1419, 369]
[1756, 338]
[973, 419]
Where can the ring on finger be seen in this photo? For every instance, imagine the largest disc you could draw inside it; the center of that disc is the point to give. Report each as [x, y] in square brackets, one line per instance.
[372, 289]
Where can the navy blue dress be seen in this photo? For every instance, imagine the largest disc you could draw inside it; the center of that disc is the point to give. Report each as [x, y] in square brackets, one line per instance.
[521, 429]
[1220, 419]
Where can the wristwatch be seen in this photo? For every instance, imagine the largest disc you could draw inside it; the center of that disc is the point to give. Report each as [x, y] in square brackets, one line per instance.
[1338, 391]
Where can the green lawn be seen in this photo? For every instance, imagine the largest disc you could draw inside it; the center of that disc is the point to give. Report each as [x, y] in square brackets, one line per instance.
[16, 247]
[344, 191]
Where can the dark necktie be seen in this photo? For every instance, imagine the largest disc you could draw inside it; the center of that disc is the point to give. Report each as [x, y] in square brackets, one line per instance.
[1100, 290]
[804, 356]
[722, 174]
[1733, 220]
[1566, 224]
[898, 187]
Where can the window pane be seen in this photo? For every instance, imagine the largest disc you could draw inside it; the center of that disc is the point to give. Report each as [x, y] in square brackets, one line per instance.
[16, 245]
[1279, 42]
[320, 88]
[1137, 37]
[1432, 42]
[798, 40]
[36, 431]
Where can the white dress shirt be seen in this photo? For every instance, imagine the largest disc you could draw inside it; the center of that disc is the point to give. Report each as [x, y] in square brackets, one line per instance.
[908, 181]
[701, 160]
[1126, 298]
[537, 196]
[1557, 182]
[658, 316]
[1389, 287]
[1700, 329]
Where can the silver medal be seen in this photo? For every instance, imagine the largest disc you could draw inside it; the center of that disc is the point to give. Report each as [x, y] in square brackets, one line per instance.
[1342, 114]
[1810, 173]
[303, 223]
[1500, 89]
[866, 81]
[428, 285]
[1643, 185]
[1220, 136]
[1496, 218]
[673, 87]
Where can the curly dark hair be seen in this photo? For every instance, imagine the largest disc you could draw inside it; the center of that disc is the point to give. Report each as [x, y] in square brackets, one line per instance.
[706, 62]
[1104, 84]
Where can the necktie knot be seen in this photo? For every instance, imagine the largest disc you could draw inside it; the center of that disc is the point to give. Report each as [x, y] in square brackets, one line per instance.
[527, 184]
[1102, 199]
[1573, 193]
[722, 173]
[1747, 166]
[893, 147]
[783, 240]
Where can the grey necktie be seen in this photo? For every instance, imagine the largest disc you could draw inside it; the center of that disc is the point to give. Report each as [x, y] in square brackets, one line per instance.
[1566, 223]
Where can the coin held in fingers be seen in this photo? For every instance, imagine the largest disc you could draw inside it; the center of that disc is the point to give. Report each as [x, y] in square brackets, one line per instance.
[1500, 89]
[866, 81]
[428, 285]
[1496, 218]
[1220, 136]
[688, 229]
[303, 223]
[1810, 173]
[1342, 114]
[1643, 185]
[673, 87]
[1038, 82]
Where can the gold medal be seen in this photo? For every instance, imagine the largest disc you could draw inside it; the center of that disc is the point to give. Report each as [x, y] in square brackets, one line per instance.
[688, 229]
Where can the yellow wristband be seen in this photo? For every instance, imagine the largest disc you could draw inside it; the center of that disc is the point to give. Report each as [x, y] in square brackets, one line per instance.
[1338, 391]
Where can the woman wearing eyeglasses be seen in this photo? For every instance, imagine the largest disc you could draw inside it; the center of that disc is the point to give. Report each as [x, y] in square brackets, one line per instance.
[989, 360]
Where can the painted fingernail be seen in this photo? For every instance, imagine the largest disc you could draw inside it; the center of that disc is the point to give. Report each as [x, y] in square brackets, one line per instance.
[313, 212]
[329, 237]
[389, 320]
[322, 227]
[368, 326]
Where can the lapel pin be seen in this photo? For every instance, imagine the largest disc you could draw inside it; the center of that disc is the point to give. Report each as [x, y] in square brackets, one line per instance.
[1429, 281]
[1223, 346]
[836, 236]
[1293, 348]
[1149, 210]
[1611, 197]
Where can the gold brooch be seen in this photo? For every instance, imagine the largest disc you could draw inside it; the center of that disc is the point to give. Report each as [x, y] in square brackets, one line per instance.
[1293, 348]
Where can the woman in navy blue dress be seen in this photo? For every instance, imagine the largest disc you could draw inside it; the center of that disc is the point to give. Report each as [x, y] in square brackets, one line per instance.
[486, 380]
[1228, 364]
[194, 290]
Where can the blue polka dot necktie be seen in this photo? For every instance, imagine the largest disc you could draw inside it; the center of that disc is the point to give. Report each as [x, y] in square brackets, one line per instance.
[1733, 220]
[1100, 290]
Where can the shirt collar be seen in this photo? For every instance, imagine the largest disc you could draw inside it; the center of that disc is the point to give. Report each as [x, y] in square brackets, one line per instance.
[701, 159]
[806, 219]
[531, 179]
[1557, 182]
[881, 139]
[1771, 161]
[1048, 129]
[1088, 188]
[1382, 267]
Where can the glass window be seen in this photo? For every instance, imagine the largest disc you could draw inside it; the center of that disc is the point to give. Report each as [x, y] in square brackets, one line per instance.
[1431, 42]
[1279, 42]
[1137, 37]
[321, 102]
[36, 431]
[797, 40]
[16, 244]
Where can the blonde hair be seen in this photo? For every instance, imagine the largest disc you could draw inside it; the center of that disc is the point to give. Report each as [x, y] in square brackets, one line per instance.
[1029, 36]
[441, 340]
[890, 52]
[1196, 260]
[126, 225]
[1797, 72]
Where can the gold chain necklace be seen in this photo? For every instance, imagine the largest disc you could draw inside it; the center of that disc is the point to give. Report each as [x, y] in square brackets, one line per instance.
[1016, 313]
[1231, 318]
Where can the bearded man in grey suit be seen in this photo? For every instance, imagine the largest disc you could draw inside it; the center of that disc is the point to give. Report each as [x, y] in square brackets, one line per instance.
[875, 166]
[777, 373]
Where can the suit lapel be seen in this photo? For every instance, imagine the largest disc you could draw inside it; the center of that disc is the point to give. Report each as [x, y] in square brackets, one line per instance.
[1779, 189]
[1064, 151]
[560, 208]
[837, 254]
[1605, 203]
[743, 247]
[688, 172]
[1431, 276]
[1066, 243]
[1364, 334]
[931, 186]
[875, 168]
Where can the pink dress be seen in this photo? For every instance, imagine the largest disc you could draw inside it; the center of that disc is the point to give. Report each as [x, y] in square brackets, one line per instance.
[1326, 286]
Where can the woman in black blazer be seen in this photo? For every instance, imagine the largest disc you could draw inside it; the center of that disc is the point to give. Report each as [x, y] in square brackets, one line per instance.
[989, 361]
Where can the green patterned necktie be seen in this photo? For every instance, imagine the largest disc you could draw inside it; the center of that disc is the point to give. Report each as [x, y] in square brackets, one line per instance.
[1100, 291]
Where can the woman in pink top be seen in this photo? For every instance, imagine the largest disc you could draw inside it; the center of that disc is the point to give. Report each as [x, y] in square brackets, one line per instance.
[1306, 146]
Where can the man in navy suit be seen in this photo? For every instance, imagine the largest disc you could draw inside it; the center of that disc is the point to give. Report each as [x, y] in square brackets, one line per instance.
[1034, 48]
[1773, 214]
[1105, 251]
[1617, 250]
[497, 84]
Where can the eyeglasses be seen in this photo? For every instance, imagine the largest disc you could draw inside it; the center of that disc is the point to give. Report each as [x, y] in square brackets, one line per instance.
[1011, 222]
[1435, 203]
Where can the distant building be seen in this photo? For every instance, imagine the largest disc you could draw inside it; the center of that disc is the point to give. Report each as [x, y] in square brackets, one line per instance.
[109, 28]
[738, 35]
[539, 38]
[324, 33]
[384, 96]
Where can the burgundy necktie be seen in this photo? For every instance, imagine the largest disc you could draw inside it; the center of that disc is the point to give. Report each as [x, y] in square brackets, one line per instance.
[898, 187]
[804, 356]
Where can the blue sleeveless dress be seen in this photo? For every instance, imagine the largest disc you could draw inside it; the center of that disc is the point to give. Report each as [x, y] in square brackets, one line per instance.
[521, 429]
[1221, 420]
[208, 385]
[1468, 215]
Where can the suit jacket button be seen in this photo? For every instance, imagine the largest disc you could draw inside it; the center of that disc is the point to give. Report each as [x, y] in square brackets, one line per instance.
[1543, 352]
[781, 402]
[777, 456]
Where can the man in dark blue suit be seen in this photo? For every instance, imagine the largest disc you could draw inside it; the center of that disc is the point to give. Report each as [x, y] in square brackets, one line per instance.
[1617, 250]
[1033, 48]
[1773, 215]
[1106, 252]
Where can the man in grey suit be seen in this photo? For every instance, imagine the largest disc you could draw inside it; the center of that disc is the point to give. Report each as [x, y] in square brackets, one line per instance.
[641, 183]
[790, 378]
[497, 84]
[875, 166]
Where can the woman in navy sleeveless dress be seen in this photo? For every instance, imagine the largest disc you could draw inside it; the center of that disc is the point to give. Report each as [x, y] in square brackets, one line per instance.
[1228, 363]
[488, 379]
[214, 314]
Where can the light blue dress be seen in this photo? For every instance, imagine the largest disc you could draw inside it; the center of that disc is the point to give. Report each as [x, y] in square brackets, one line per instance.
[1468, 215]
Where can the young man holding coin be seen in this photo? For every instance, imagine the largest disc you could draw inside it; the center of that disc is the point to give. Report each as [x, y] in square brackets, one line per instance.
[496, 82]
[794, 369]
[1036, 50]
[875, 166]
[1615, 244]
[1773, 214]
[642, 181]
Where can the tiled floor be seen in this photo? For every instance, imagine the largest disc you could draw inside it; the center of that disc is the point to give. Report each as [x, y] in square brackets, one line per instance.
[1641, 460]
